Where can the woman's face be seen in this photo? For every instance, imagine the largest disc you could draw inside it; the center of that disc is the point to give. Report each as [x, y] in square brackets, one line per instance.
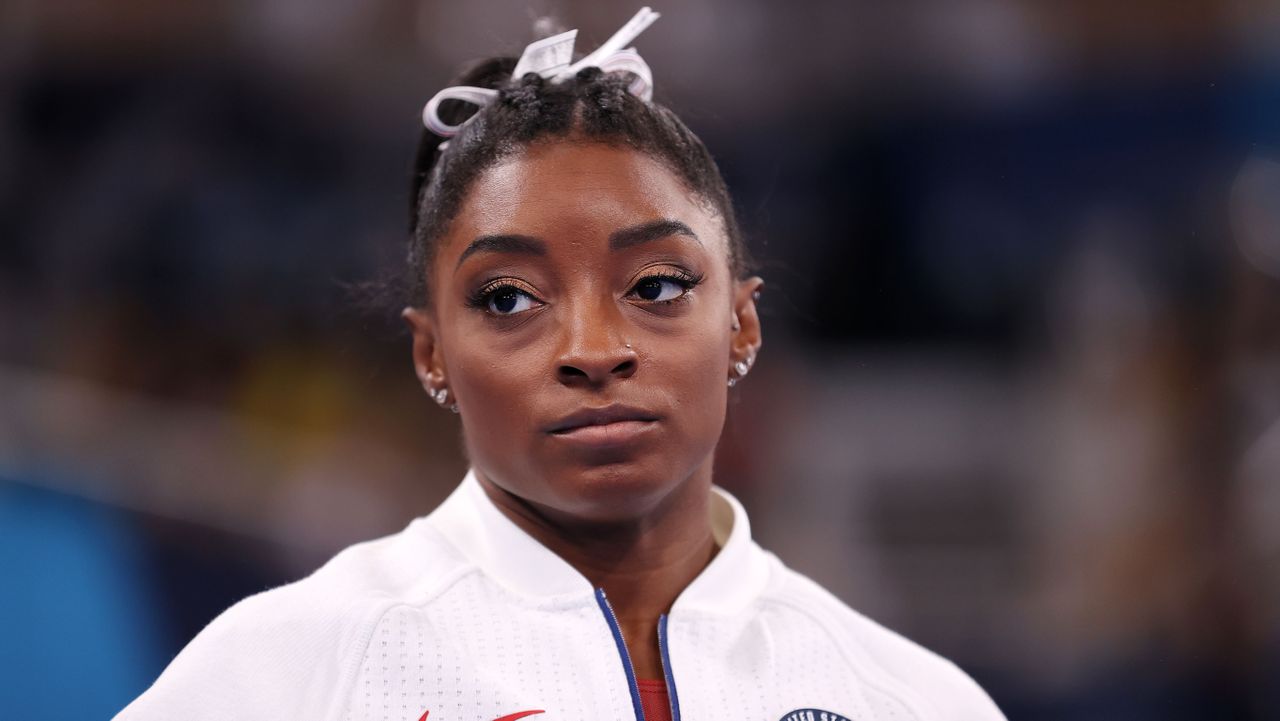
[578, 277]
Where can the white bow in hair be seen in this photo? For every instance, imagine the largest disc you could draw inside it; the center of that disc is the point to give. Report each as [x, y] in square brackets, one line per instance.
[550, 58]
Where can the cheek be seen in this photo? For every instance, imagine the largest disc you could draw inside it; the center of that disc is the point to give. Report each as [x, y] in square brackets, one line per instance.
[693, 367]
[499, 396]
[701, 355]
[497, 388]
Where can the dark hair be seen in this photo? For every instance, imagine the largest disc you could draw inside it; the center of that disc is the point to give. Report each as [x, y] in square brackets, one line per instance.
[591, 106]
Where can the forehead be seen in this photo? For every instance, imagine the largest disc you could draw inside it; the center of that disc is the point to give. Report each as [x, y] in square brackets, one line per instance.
[580, 191]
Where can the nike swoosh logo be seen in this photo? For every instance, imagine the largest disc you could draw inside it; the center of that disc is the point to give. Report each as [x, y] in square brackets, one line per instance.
[509, 717]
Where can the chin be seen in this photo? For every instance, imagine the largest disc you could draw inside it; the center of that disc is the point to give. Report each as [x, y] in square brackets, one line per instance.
[614, 491]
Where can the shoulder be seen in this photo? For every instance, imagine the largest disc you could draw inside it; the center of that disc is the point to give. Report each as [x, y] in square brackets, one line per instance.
[290, 651]
[883, 657]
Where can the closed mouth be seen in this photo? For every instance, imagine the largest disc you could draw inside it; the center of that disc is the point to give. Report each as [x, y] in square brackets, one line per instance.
[601, 416]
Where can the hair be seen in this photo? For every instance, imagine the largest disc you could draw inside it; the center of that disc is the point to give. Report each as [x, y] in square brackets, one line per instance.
[590, 106]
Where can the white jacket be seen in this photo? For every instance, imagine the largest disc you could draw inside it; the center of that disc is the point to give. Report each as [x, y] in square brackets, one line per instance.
[462, 616]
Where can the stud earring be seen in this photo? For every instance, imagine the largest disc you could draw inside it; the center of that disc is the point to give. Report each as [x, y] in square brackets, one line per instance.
[741, 368]
[441, 396]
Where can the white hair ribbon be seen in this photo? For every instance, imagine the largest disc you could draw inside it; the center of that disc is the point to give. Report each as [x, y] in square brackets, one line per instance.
[551, 58]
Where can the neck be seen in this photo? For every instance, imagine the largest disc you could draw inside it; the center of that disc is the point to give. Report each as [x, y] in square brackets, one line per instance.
[642, 563]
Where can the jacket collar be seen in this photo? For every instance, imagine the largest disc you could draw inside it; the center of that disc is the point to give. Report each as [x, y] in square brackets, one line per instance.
[502, 550]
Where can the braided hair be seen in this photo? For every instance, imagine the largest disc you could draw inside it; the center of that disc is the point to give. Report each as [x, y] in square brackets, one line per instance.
[591, 106]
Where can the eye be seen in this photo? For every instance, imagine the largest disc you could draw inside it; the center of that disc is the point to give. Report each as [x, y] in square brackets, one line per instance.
[503, 299]
[664, 288]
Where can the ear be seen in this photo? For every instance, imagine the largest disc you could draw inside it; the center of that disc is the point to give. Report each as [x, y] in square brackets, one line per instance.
[745, 337]
[428, 359]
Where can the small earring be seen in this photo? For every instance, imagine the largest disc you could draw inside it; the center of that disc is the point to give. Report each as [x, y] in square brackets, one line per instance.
[741, 368]
[441, 396]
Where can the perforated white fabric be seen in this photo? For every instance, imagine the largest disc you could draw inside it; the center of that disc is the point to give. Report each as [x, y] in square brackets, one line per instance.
[445, 657]
[464, 617]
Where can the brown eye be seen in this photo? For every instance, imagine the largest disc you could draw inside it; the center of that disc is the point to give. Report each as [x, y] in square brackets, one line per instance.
[661, 288]
[649, 289]
[503, 299]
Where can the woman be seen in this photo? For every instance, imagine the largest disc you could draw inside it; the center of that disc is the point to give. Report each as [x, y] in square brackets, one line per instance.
[580, 298]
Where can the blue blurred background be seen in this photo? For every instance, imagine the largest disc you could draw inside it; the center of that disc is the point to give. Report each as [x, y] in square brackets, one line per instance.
[1020, 392]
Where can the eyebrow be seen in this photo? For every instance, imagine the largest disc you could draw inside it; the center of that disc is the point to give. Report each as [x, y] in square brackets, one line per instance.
[618, 240]
[646, 232]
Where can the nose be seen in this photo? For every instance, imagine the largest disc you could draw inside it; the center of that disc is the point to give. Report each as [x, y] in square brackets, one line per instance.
[595, 350]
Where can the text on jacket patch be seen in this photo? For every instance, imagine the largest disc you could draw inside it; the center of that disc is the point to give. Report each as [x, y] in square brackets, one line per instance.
[812, 714]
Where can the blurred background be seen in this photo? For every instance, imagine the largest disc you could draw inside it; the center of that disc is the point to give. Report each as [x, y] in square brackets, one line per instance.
[1020, 392]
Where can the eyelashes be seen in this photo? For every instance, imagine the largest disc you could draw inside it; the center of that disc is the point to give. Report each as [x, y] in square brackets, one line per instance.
[506, 297]
[502, 297]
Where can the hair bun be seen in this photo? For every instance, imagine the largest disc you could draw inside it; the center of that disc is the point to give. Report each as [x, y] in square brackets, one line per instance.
[589, 74]
[524, 94]
[531, 79]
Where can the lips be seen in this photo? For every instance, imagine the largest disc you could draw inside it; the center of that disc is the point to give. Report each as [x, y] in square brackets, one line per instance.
[603, 416]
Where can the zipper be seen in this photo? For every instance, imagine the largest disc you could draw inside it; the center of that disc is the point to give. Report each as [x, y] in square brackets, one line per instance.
[622, 651]
[621, 643]
[666, 668]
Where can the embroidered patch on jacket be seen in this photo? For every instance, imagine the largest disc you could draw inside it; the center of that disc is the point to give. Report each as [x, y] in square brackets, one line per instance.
[813, 714]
